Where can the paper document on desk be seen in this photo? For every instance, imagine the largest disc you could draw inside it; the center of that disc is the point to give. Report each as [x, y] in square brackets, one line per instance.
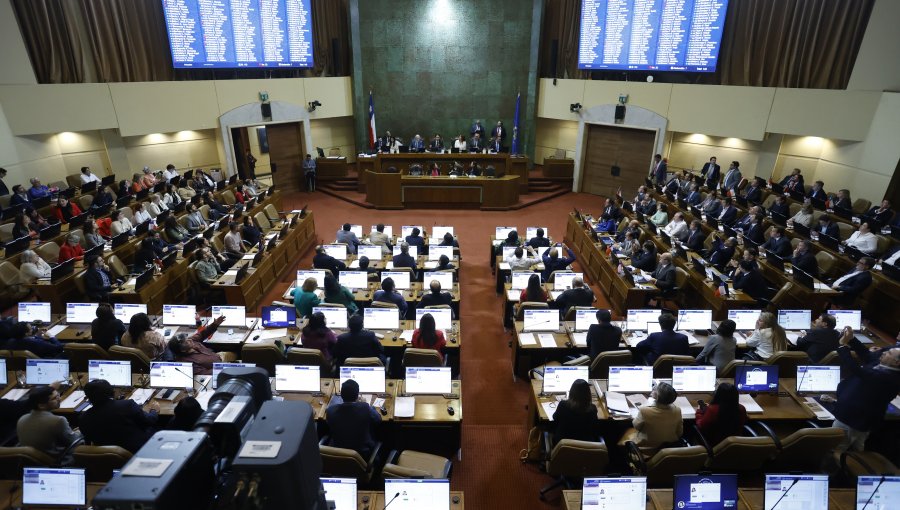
[405, 407]
[407, 335]
[616, 401]
[546, 339]
[354, 264]
[389, 265]
[527, 339]
[15, 394]
[73, 400]
[637, 399]
[56, 330]
[249, 256]
[687, 410]
[142, 395]
[792, 336]
[504, 266]
[633, 340]
[430, 264]
[267, 334]
[231, 272]
[203, 398]
[692, 340]
[821, 286]
[556, 294]
[749, 404]
[817, 409]
[512, 295]
[580, 338]
[131, 282]
[549, 409]
[222, 337]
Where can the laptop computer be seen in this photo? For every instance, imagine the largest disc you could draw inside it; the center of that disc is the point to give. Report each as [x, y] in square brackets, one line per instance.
[16, 246]
[818, 379]
[636, 379]
[756, 378]
[120, 239]
[803, 278]
[341, 492]
[621, 493]
[170, 374]
[370, 379]
[297, 378]
[116, 373]
[60, 271]
[143, 279]
[795, 492]
[279, 316]
[428, 381]
[41, 372]
[877, 492]
[559, 379]
[34, 311]
[52, 231]
[56, 487]
[705, 492]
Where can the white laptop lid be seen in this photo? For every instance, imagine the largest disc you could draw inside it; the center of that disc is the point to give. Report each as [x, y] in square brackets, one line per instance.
[116, 373]
[297, 378]
[381, 318]
[445, 277]
[428, 381]
[694, 320]
[373, 253]
[744, 320]
[34, 311]
[818, 379]
[844, 318]
[878, 492]
[435, 252]
[585, 318]
[794, 319]
[179, 315]
[625, 493]
[563, 280]
[796, 492]
[637, 319]
[354, 279]
[338, 251]
[698, 379]
[235, 316]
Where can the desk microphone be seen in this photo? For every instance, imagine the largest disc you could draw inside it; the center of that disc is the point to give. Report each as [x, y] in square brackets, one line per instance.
[881, 481]
[392, 500]
[785, 493]
[196, 380]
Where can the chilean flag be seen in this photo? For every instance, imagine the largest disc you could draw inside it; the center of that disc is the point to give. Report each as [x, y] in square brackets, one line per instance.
[371, 121]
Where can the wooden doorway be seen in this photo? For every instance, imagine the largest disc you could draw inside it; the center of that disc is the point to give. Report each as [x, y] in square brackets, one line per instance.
[286, 155]
[607, 146]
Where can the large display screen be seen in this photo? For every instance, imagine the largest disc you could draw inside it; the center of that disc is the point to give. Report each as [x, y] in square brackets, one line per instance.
[239, 33]
[651, 35]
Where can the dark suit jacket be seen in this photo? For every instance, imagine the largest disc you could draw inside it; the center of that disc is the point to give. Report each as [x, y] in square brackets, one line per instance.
[559, 264]
[782, 209]
[728, 217]
[432, 299]
[93, 285]
[864, 394]
[752, 283]
[713, 210]
[883, 217]
[781, 246]
[539, 242]
[660, 171]
[693, 198]
[326, 261]
[405, 260]
[756, 233]
[712, 173]
[351, 425]
[117, 423]
[818, 342]
[419, 242]
[819, 195]
[361, 345]
[831, 230]
[753, 194]
[502, 133]
[787, 180]
[646, 261]
[807, 263]
[665, 277]
[664, 342]
[843, 203]
[854, 286]
[721, 255]
[602, 338]
[695, 239]
[574, 297]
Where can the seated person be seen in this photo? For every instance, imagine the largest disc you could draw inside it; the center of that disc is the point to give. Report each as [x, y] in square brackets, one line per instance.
[603, 336]
[370, 271]
[20, 197]
[346, 236]
[793, 182]
[579, 295]
[140, 213]
[24, 338]
[666, 341]
[658, 422]
[436, 297]
[664, 274]
[748, 279]
[427, 337]
[404, 259]
[305, 297]
[723, 417]
[554, 262]
[755, 231]
[141, 335]
[778, 243]
[317, 335]
[357, 343]
[33, 267]
[576, 416]
[753, 193]
[119, 224]
[92, 236]
[728, 214]
[379, 238]
[43, 430]
[780, 206]
[750, 255]
[322, 260]
[863, 240]
[693, 197]
[449, 240]
[828, 227]
[720, 348]
[646, 259]
[881, 214]
[250, 233]
[22, 227]
[711, 206]
[445, 265]
[388, 294]
[64, 209]
[661, 216]
[695, 237]
[112, 422]
[519, 262]
[821, 339]
[677, 228]
[38, 190]
[539, 241]
[606, 225]
[633, 226]
[191, 349]
[145, 257]
[627, 243]
[351, 423]
[106, 329]
[187, 412]
[206, 266]
[176, 233]
[194, 222]
[767, 339]
[534, 292]
[855, 282]
[817, 192]
[415, 239]
[98, 281]
[339, 295]
[842, 200]
[804, 259]
[722, 252]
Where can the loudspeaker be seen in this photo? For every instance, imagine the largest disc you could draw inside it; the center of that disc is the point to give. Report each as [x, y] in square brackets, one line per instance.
[620, 113]
[266, 109]
[615, 170]
[335, 57]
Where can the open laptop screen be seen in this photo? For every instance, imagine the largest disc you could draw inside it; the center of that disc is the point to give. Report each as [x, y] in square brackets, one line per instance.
[794, 319]
[435, 252]
[878, 492]
[179, 315]
[3, 374]
[401, 278]
[51, 486]
[354, 279]
[796, 492]
[531, 232]
[756, 378]
[428, 380]
[563, 280]
[341, 492]
[317, 274]
[443, 317]
[388, 230]
[438, 231]
[297, 378]
[125, 311]
[818, 379]
[626, 493]
[235, 316]
[417, 494]
[219, 367]
[34, 311]
[338, 251]
[166, 374]
[407, 230]
[413, 250]
[844, 318]
[381, 318]
[519, 279]
[705, 492]
[116, 373]
[373, 253]
[370, 379]
[585, 318]
[279, 316]
[694, 319]
[445, 277]
[560, 379]
[335, 318]
[501, 232]
[701, 379]
[630, 379]
[744, 320]
[540, 320]
[637, 320]
[40, 372]
[81, 313]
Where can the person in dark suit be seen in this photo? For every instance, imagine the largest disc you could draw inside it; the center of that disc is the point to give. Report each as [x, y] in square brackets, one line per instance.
[804, 259]
[499, 132]
[732, 177]
[496, 145]
[817, 191]
[98, 281]
[386, 142]
[436, 297]
[778, 243]
[554, 262]
[793, 182]
[437, 144]
[711, 206]
[352, 423]
[539, 241]
[603, 336]
[415, 239]
[842, 200]
[881, 214]
[728, 213]
[20, 197]
[357, 343]
[476, 143]
[821, 339]
[666, 341]
[753, 194]
[477, 129]
[23, 338]
[417, 144]
[404, 259]
[855, 282]
[106, 329]
[111, 422]
[695, 237]
[389, 294]
[3, 189]
[755, 231]
[828, 227]
[646, 258]
[693, 197]
[578, 295]
[750, 254]
[612, 209]
[664, 274]
[722, 252]
[660, 169]
[748, 279]
[711, 171]
[744, 220]
[322, 260]
[780, 206]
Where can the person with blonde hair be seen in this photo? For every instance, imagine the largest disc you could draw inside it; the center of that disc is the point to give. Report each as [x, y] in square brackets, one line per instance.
[767, 339]
[33, 267]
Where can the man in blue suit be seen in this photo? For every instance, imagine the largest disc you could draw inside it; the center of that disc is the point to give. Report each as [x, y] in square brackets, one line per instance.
[778, 243]
[417, 144]
[728, 215]
[666, 341]
[732, 177]
[711, 171]
[660, 169]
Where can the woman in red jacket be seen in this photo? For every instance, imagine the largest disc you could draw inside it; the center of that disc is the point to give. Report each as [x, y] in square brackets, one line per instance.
[65, 209]
[723, 417]
[427, 337]
[71, 249]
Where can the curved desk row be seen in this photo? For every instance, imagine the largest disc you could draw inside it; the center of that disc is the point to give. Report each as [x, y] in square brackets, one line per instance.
[397, 191]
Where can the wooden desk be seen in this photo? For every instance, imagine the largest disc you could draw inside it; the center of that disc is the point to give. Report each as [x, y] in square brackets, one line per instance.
[329, 169]
[559, 168]
[376, 501]
[748, 499]
[395, 191]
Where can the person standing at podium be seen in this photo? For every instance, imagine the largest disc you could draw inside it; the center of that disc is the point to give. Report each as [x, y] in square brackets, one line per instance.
[309, 173]
[499, 132]
[386, 142]
[477, 129]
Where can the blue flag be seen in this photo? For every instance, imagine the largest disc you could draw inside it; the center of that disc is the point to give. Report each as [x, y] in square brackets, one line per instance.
[515, 135]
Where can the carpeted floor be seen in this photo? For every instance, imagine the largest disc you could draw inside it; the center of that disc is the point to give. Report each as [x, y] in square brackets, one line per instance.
[495, 426]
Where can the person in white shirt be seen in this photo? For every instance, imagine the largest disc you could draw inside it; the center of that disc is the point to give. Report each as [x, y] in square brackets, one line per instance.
[519, 262]
[863, 240]
[767, 339]
[119, 223]
[156, 205]
[88, 176]
[33, 267]
[170, 172]
[171, 198]
[140, 214]
[892, 258]
[233, 240]
[677, 228]
[461, 144]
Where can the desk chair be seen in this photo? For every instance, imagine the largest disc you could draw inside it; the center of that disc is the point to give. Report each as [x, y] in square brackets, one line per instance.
[310, 357]
[140, 363]
[11, 290]
[383, 304]
[827, 264]
[265, 355]
[788, 361]
[85, 202]
[780, 298]
[538, 372]
[17, 361]
[80, 353]
[854, 464]
[529, 305]
[673, 298]
[118, 268]
[262, 221]
[662, 367]
[571, 460]
[600, 366]
[227, 197]
[570, 314]
[728, 371]
[271, 213]
[661, 468]
[49, 252]
[363, 362]
[14, 458]
[803, 450]
[861, 206]
[413, 464]
[346, 463]
[741, 454]
[6, 230]
[204, 212]
[100, 461]
[127, 213]
[413, 357]
[845, 230]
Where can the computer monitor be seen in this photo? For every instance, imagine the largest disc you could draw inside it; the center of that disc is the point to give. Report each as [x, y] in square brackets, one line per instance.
[695, 320]
[341, 492]
[540, 320]
[877, 492]
[519, 279]
[622, 493]
[116, 373]
[744, 320]
[416, 494]
[413, 250]
[435, 252]
[637, 319]
[317, 274]
[235, 316]
[818, 379]
[81, 313]
[179, 315]
[531, 232]
[444, 277]
[64, 487]
[338, 251]
[34, 311]
[370, 379]
[443, 317]
[406, 230]
[3, 375]
[41, 372]
[705, 492]
[559, 379]
[438, 231]
[401, 278]
[653, 327]
[509, 251]
[796, 492]
[428, 381]
[630, 379]
[218, 367]
[585, 318]
[388, 230]
[502, 232]
[279, 316]
[563, 280]
[373, 253]
[356, 229]
[794, 319]
[381, 318]
[354, 279]
[169, 374]
[756, 378]
[125, 311]
[844, 318]
[297, 378]
[696, 379]
[335, 317]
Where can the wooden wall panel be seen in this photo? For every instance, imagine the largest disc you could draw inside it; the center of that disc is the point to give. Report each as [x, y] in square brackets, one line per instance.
[630, 149]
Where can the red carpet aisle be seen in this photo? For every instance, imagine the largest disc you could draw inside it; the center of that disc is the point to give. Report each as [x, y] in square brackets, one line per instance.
[495, 407]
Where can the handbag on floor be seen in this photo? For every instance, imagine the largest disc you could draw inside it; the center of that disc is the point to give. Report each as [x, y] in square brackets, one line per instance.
[533, 451]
